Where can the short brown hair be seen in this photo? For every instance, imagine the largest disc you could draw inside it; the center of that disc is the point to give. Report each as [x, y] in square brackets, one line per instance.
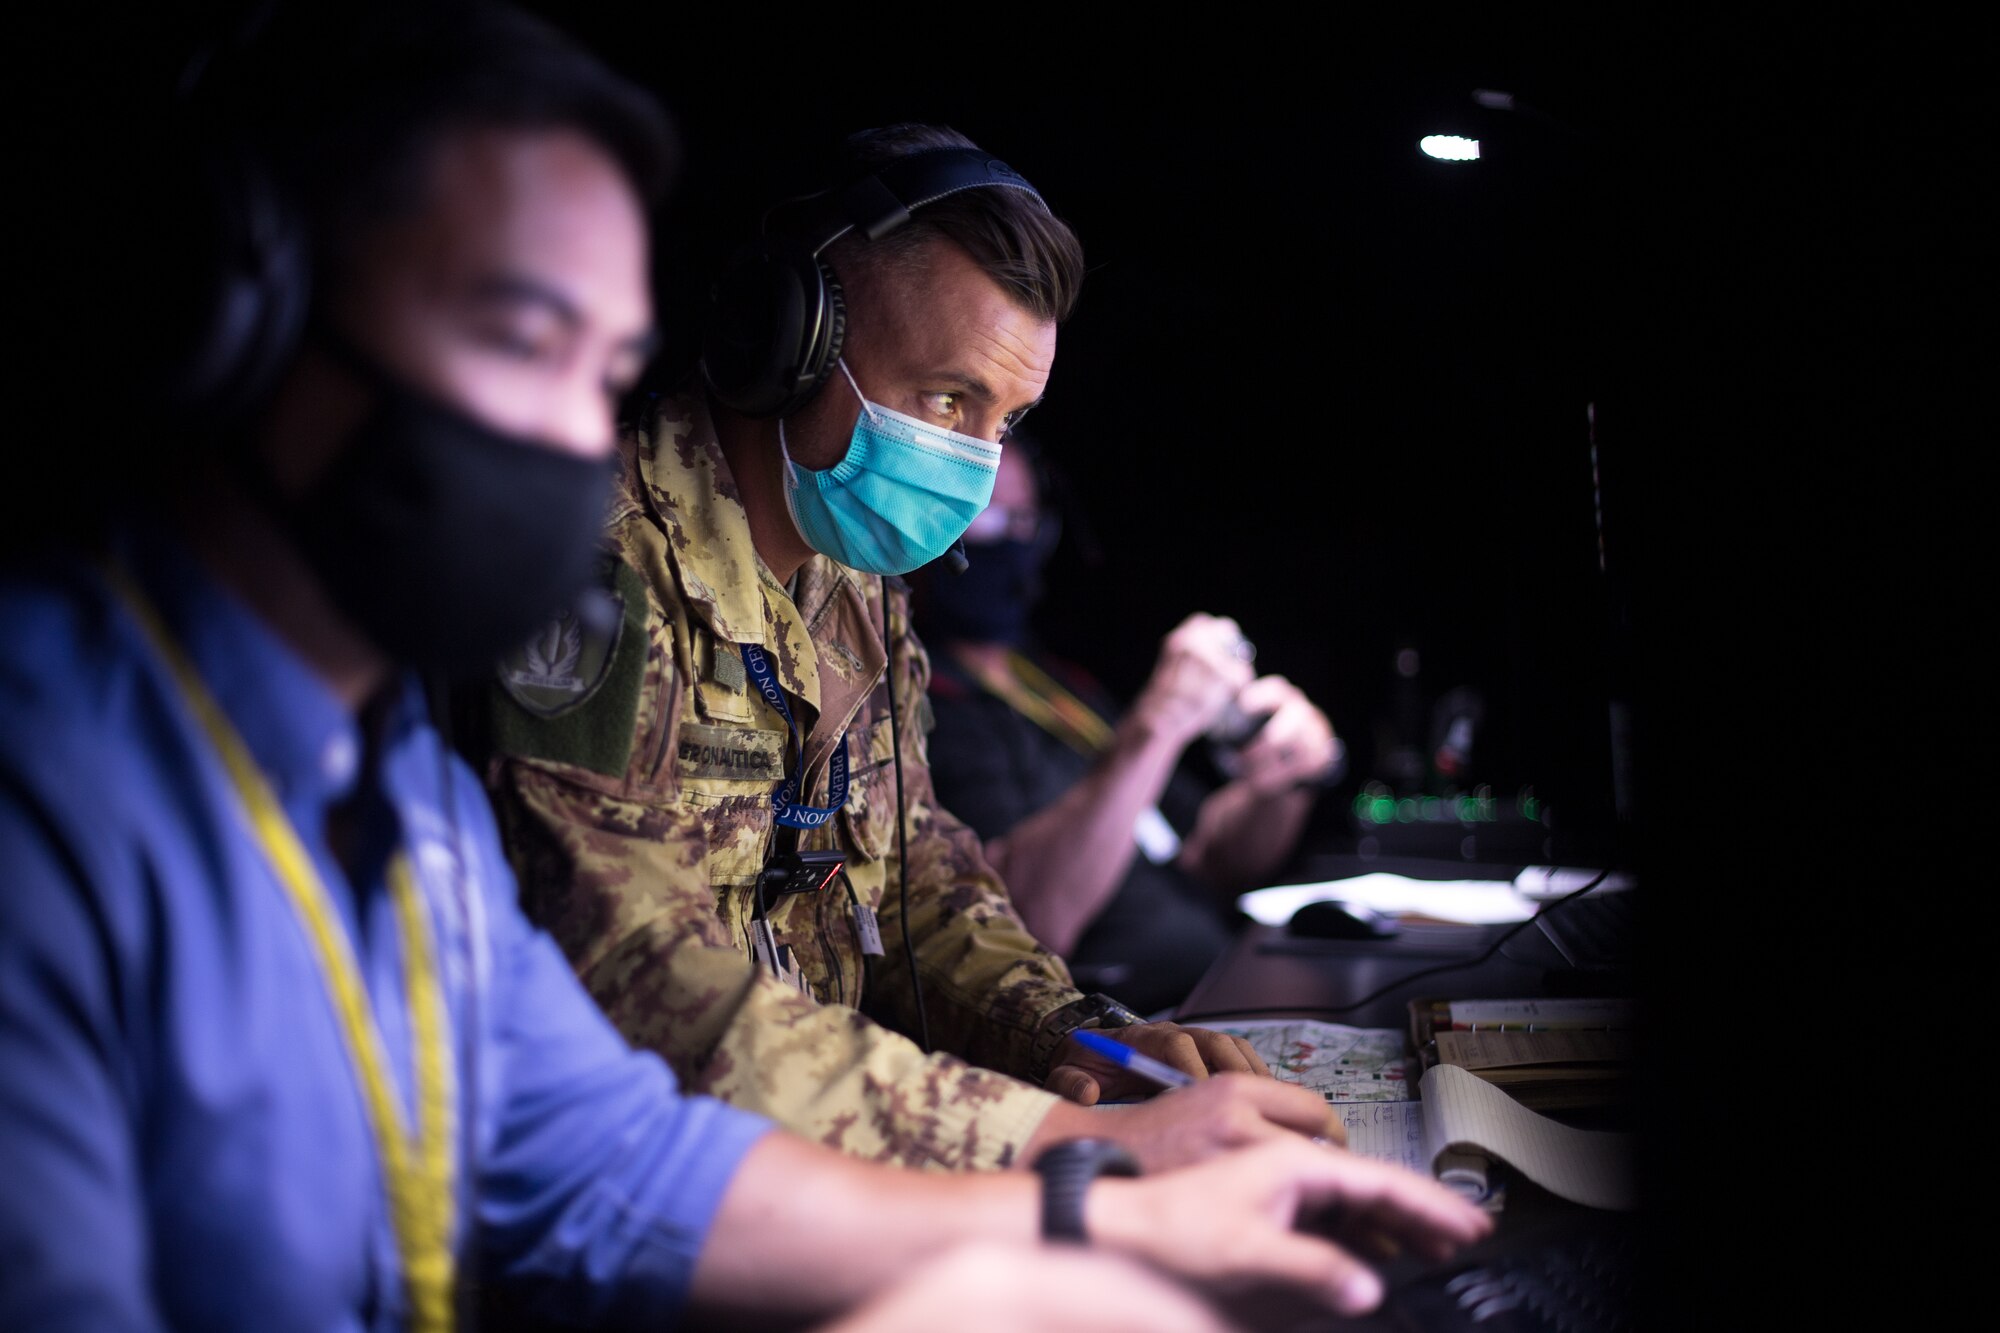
[1015, 239]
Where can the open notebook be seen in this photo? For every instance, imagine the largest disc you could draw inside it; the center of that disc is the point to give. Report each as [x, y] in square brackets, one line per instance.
[1447, 1122]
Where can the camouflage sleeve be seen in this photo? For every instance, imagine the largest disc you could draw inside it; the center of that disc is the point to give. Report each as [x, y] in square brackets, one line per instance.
[619, 886]
[987, 984]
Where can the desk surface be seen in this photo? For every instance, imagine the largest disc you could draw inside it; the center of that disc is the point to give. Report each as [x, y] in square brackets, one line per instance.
[1267, 971]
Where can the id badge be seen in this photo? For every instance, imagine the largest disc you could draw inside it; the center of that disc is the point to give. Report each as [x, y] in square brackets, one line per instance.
[870, 931]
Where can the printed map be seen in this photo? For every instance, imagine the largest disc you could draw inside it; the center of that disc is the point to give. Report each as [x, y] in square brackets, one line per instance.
[1341, 1063]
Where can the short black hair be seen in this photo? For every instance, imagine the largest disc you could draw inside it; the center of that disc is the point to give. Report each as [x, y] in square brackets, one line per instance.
[342, 102]
[332, 111]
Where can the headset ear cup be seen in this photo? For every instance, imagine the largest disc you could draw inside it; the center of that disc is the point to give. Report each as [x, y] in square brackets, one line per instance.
[778, 319]
[276, 268]
[235, 319]
[776, 324]
[833, 333]
[757, 319]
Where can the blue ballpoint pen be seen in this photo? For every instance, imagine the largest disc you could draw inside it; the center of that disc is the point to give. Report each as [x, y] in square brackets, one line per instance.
[1143, 1065]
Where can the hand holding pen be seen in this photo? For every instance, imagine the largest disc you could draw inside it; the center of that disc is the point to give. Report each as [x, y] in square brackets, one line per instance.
[1145, 1066]
[1082, 1075]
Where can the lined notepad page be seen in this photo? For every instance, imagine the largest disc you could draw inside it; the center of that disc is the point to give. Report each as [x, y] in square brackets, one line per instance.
[1587, 1166]
[1387, 1131]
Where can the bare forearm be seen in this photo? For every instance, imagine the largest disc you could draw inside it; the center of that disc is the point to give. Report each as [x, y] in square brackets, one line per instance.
[1241, 836]
[805, 1232]
[1063, 863]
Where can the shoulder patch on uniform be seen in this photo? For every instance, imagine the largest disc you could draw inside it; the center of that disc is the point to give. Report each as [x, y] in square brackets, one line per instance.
[565, 661]
[571, 692]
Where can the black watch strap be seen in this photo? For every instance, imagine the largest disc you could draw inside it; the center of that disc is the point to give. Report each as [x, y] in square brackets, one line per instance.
[1066, 1170]
[1090, 1011]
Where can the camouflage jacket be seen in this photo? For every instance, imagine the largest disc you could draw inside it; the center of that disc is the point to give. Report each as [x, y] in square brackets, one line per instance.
[634, 769]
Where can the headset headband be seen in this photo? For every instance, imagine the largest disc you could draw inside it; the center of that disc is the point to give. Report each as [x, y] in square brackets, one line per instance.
[777, 317]
[883, 200]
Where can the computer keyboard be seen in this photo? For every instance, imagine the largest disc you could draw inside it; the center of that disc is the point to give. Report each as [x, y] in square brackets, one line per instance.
[1579, 1275]
[1587, 946]
[1594, 933]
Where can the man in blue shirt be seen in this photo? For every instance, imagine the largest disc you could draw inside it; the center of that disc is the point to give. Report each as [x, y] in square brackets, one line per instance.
[277, 1049]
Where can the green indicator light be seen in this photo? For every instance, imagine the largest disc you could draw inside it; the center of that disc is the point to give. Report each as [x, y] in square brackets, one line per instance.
[1383, 810]
[1406, 809]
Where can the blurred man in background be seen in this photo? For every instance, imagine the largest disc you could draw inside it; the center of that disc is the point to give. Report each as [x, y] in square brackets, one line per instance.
[1119, 857]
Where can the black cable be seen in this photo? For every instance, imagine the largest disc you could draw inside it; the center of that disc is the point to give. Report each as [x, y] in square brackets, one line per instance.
[1406, 979]
[761, 912]
[826, 946]
[902, 860]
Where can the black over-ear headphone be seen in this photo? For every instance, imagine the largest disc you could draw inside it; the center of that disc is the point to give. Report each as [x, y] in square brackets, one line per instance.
[259, 285]
[777, 316]
[244, 303]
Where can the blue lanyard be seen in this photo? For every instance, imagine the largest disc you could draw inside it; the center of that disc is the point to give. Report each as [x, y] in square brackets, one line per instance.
[785, 798]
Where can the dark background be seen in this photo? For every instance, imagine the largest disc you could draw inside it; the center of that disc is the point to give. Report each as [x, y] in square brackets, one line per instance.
[1337, 390]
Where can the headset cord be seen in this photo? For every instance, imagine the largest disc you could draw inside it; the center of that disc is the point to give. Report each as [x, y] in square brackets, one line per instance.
[902, 860]
[784, 842]
[826, 944]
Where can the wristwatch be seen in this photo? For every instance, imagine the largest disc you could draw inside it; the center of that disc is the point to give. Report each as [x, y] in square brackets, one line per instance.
[1091, 1011]
[1066, 1169]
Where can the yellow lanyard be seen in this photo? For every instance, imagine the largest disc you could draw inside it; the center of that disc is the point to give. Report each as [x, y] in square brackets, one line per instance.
[420, 1191]
[1031, 692]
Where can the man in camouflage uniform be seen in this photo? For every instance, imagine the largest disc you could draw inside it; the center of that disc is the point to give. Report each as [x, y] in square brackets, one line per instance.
[635, 761]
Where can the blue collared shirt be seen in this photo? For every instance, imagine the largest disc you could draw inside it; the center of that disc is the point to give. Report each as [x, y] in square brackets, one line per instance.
[182, 1137]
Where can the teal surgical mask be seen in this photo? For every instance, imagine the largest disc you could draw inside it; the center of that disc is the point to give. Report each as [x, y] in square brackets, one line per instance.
[903, 494]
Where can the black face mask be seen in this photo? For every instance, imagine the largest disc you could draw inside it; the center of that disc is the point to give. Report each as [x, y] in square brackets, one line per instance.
[991, 600]
[445, 541]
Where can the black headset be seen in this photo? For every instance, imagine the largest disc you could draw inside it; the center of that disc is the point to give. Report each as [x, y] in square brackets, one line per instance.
[252, 318]
[247, 300]
[777, 316]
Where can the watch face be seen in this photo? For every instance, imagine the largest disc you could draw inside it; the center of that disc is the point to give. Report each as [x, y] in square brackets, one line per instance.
[1090, 1011]
[1109, 1008]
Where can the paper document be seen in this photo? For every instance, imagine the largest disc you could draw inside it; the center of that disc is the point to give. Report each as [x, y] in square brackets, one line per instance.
[1542, 1015]
[1388, 1132]
[1340, 1063]
[1460, 1120]
[1540, 882]
[1587, 1166]
[1476, 902]
[1560, 1046]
